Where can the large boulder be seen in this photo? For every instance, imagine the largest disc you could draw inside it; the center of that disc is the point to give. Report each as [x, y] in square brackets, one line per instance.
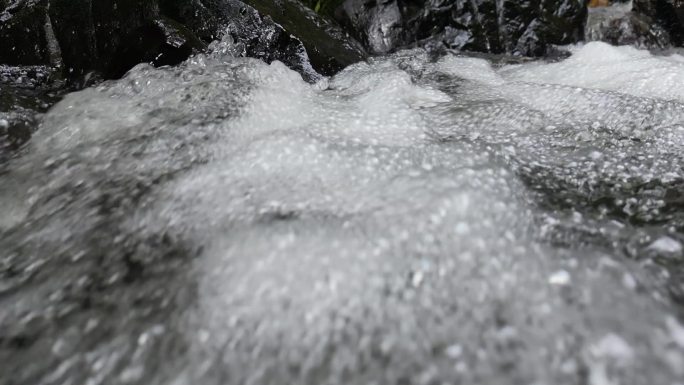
[618, 25]
[523, 27]
[111, 36]
[649, 24]
[329, 47]
[22, 33]
[108, 37]
[668, 14]
[82, 36]
[283, 30]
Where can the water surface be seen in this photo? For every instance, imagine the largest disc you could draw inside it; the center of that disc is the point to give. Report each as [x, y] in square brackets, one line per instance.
[412, 220]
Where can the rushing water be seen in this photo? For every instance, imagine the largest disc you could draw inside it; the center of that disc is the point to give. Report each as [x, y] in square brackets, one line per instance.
[413, 220]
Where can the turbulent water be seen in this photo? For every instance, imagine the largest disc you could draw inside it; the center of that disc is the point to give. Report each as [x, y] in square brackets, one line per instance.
[412, 220]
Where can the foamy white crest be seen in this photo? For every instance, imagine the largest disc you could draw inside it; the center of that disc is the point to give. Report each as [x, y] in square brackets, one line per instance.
[357, 233]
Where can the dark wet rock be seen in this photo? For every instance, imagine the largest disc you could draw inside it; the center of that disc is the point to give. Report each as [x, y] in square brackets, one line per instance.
[259, 36]
[645, 24]
[378, 25]
[330, 49]
[112, 36]
[283, 30]
[105, 38]
[668, 14]
[82, 36]
[161, 42]
[617, 25]
[25, 93]
[22, 33]
[520, 27]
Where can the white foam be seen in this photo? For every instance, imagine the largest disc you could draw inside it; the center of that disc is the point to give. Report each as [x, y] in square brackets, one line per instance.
[381, 212]
[598, 65]
[666, 245]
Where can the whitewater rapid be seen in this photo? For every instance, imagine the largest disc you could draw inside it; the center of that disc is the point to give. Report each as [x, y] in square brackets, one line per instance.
[412, 220]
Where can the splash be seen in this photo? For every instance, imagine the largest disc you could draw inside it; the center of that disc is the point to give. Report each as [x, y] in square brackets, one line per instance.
[409, 220]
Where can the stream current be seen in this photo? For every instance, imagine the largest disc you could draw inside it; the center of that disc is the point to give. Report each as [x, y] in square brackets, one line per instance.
[412, 220]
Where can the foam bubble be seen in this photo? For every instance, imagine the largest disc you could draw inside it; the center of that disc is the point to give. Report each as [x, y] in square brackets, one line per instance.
[344, 231]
